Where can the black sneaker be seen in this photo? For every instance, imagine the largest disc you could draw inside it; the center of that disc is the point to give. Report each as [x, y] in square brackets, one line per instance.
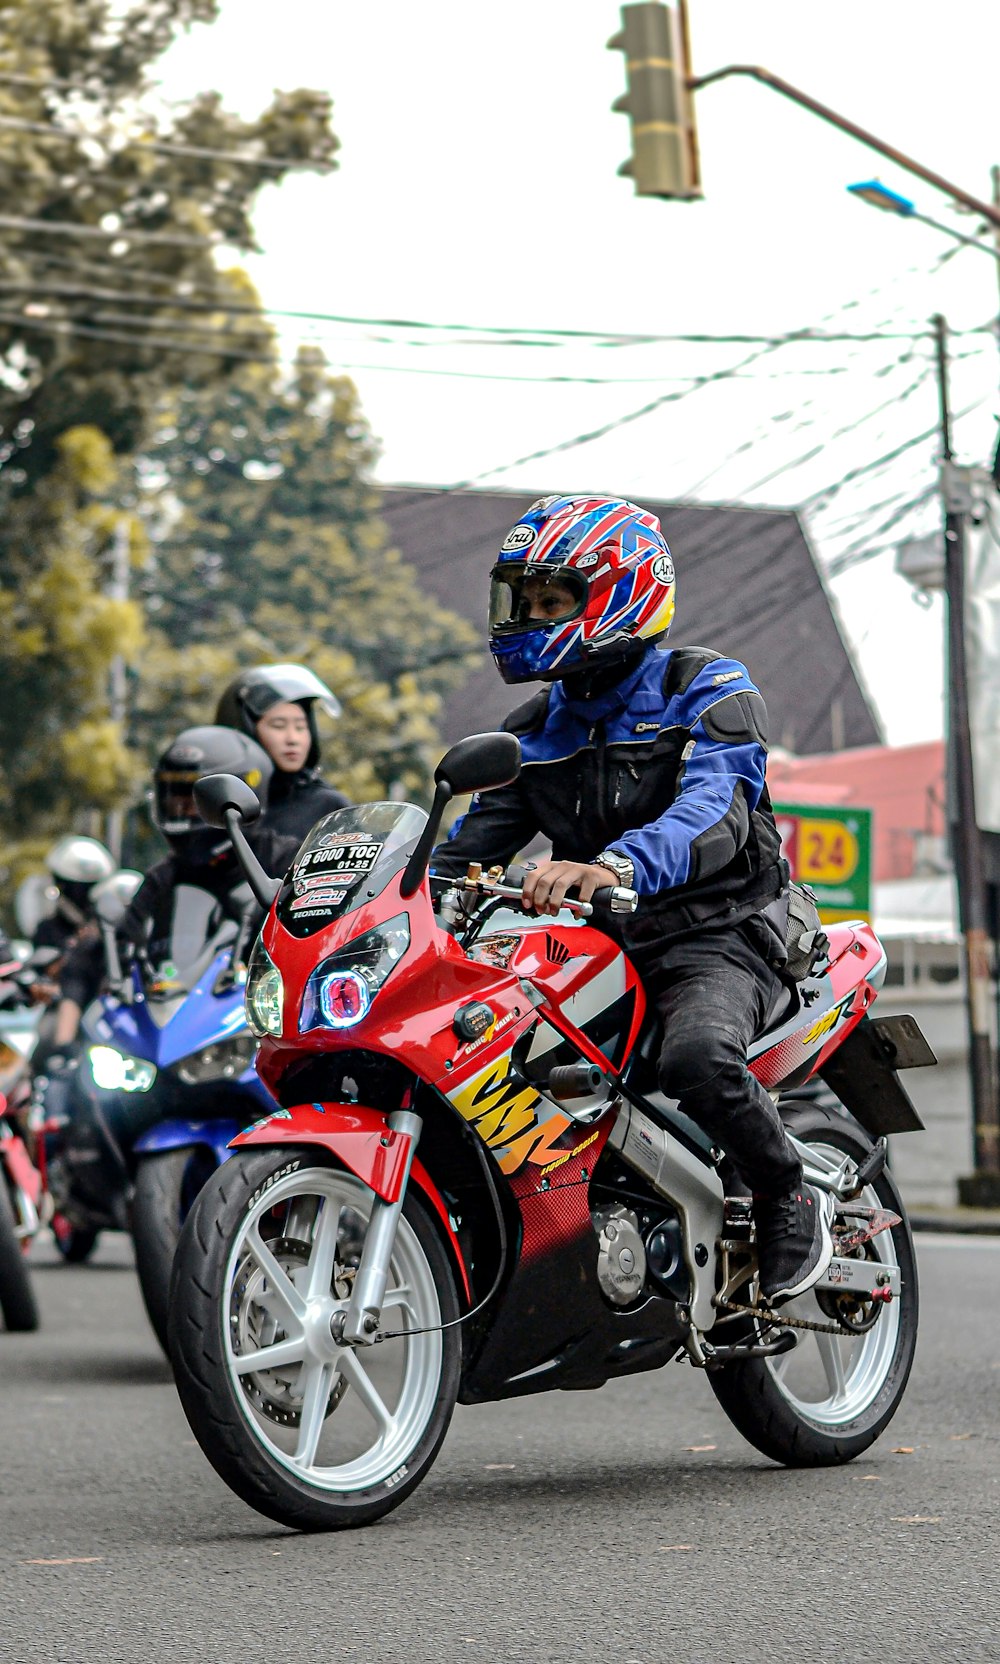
[794, 1242]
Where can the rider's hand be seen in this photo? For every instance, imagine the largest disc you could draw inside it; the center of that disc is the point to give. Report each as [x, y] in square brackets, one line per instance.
[544, 889]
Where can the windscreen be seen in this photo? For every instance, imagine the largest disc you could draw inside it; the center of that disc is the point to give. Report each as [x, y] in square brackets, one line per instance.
[347, 859]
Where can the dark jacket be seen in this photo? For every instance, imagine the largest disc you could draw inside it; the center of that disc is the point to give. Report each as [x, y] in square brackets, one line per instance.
[295, 802]
[666, 767]
[147, 926]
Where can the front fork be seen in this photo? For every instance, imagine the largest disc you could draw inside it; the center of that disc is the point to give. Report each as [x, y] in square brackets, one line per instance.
[361, 1320]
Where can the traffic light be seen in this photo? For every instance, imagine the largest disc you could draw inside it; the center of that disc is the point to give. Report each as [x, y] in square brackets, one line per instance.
[664, 159]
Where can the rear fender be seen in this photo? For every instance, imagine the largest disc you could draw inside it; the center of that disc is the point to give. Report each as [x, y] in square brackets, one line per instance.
[214, 1135]
[362, 1141]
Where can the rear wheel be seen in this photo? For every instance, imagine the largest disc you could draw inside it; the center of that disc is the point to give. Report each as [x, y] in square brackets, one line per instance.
[17, 1297]
[74, 1244]
[166, 1185]
[317, 1435]
[830, 1397]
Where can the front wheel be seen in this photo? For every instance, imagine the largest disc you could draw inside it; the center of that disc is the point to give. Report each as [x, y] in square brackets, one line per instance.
[166, 1185]
[17, 1297]
[311, 1433]
[829, 1398]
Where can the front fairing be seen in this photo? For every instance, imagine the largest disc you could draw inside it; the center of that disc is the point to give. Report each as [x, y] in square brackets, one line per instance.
[199, 1019]
[412, 1015]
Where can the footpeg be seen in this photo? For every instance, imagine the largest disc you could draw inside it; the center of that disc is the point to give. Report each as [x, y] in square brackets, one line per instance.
[873, 1165]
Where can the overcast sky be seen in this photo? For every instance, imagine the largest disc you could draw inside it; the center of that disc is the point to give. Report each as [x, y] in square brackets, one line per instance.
[477, 184]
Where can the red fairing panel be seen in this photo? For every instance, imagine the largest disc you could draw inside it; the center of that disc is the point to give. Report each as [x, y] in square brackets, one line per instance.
[847, 989]
[362, 1140]
[25, 1175]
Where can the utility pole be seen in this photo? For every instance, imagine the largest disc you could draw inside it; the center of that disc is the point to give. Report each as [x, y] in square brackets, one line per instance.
[983, 1186]
[120, 574]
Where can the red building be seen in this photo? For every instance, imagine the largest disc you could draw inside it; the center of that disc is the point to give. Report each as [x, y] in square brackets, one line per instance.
[904, 786]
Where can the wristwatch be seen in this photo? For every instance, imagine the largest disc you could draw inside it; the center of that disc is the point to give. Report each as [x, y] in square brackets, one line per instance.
[620, 865]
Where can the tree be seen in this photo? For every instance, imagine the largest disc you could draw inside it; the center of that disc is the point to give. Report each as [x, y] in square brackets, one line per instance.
[260, 492]
[110, 297]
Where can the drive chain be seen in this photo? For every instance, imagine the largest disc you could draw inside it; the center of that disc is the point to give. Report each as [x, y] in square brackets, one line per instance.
[780, 1320]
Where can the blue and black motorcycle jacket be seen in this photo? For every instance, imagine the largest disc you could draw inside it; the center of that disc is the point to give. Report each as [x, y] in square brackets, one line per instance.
[666, 767]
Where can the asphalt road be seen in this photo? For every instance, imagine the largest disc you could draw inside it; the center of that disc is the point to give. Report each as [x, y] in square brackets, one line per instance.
[577, 1526]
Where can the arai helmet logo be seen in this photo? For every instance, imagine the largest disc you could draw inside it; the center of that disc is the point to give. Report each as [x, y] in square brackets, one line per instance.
[518, 539]
[663, 569]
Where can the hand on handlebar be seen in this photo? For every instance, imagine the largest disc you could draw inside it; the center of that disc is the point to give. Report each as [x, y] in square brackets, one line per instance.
[544, 887]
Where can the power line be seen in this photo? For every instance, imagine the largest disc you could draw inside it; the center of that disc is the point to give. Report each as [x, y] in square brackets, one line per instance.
[55, 326]
[72, 228]
[829, 492]
[160, 146]
[861, 550]
[235, 308]
[202, 342]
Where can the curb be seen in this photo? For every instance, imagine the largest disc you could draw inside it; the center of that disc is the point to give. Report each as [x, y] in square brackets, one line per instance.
[958, 1221]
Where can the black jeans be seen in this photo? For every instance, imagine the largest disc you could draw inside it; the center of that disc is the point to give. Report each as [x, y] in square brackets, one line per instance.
[713, 992]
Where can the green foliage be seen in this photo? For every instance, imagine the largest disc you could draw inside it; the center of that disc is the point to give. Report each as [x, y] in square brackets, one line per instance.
[96, 329]
[60, 629]
[267, 545]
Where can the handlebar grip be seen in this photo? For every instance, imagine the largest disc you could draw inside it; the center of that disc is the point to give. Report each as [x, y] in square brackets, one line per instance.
[614, 903]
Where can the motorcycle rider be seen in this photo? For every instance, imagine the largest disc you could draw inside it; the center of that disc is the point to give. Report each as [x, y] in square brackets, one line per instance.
[276, 705]
[76, 864]
[200, 857]
[645, 767]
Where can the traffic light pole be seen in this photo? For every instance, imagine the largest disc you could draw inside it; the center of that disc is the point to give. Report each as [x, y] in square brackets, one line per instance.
[983, 1186]
[989, 211]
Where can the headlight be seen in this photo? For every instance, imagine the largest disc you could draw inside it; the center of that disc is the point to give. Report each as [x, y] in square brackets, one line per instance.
[265, 994]
[340, 991]
[226, 1060]
[114, 1072]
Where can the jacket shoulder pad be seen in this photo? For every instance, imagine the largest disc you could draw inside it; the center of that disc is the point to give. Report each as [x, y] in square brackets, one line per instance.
[530, 716]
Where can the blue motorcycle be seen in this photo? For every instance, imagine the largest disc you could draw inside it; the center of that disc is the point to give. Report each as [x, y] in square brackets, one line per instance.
[165, 1081]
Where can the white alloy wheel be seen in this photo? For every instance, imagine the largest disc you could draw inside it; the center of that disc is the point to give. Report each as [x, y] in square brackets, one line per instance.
[831, 1380]
[340, 1418]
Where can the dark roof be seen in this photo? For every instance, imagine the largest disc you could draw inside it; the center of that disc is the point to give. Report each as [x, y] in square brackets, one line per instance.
[747, 585]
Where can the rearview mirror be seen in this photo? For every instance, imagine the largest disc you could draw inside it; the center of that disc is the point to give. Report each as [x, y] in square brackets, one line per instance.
[112, 896]
[215, 793]
[480, 763]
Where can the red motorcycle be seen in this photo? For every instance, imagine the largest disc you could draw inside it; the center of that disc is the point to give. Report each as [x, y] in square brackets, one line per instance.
[474, 1189]
[20, 1201]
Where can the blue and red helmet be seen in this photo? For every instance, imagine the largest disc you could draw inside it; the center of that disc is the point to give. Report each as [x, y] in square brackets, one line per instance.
[578, 580]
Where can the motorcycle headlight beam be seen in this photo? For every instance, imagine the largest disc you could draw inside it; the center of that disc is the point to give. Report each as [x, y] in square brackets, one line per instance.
[341, 989]
[264, 997]
[113, 1071]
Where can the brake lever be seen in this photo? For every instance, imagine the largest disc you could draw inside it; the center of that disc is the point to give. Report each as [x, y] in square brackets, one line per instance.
[620, 900]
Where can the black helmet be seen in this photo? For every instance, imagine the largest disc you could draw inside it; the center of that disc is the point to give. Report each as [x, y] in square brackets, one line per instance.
[196, 752]
[253, 692]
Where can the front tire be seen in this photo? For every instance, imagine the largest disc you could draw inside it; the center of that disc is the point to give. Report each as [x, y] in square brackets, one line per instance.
[314, 1435]
[829, 1399]
[17, 1297]
[165, 1186]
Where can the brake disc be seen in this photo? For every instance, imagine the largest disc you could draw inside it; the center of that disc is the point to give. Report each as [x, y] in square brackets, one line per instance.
[274, 1392]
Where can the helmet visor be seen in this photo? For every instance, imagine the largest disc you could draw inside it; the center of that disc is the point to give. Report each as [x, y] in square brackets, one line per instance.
[526, 597]
[176, 809]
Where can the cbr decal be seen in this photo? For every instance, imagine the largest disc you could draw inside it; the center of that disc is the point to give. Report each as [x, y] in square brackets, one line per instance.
[504, 1110]
[828, 1021]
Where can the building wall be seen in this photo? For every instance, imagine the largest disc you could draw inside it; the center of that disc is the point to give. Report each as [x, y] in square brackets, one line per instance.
[928, 1165]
